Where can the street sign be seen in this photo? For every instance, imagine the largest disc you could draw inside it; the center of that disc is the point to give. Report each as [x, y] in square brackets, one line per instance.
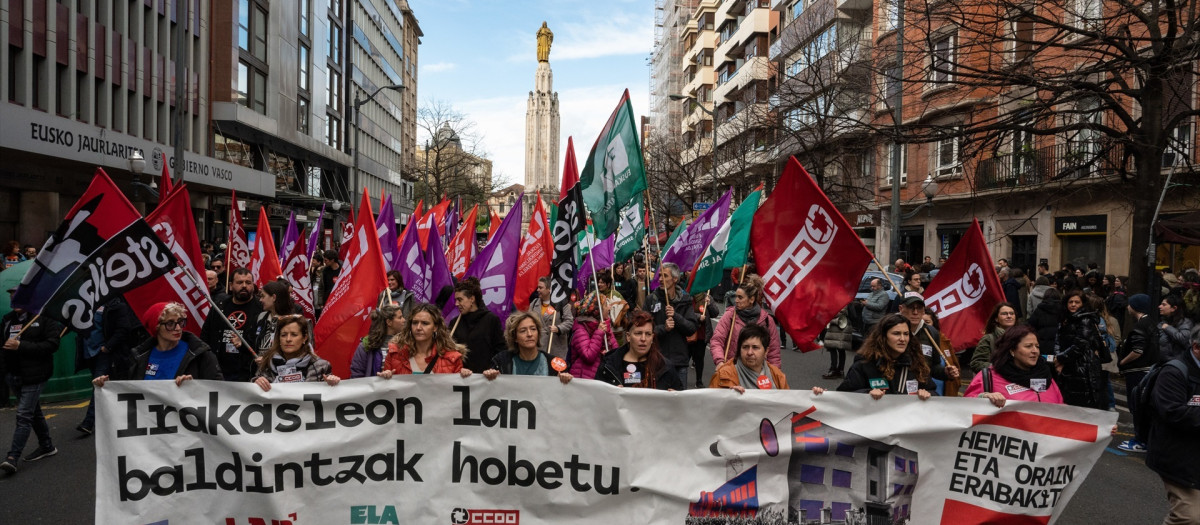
[701, 206]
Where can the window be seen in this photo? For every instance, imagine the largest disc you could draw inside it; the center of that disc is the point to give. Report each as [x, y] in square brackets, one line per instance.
[252, 63]
[842, 478]
[797, 8]
[302, 115]
[889, 154]
[333, 131]
[1179, 145]
[942, 60]
[890, 86]
[334, 42]
[303, 69]
[946, 155]
[251, 87]
[1021, 46]
[1086, 12]
[1083, 145]
[891, 15]
[304, 6]
[812, 474]
[333, 91]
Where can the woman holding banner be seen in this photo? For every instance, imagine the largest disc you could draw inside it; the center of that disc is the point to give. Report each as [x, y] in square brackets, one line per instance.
[523, 357]
[639, 364]
[477, 328]
[291, 358]
[172, 354]
[746, 310]
[891, 363]
[1017, 371]
[749, 367]
[424, 346]
[588, 337]
[386, 322]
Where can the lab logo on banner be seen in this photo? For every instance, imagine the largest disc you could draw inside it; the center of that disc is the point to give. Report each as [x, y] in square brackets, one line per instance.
[461, 516]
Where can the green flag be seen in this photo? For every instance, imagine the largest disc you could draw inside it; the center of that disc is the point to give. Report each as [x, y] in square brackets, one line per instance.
[682, 227]
[614, 173]
[739, 229]
[709, 269]
[586, 239]
[632, 231]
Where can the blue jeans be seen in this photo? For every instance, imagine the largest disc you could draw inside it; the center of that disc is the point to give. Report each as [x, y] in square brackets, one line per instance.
[29, 416]
[101, 365]
[683, 373]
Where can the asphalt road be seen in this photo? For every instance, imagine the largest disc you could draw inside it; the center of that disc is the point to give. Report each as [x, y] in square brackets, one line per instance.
[62, 489]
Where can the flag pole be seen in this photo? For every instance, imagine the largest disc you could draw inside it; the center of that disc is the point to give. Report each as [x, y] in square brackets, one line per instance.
[553, 321]
[224, 318]
[595, 281]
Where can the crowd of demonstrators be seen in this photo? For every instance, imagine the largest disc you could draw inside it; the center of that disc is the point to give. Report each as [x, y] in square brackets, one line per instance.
[749, 368]
[674, 319]
[108, 347]
[1003, 317]
[28, 354]
[876, 304]
[1135, 357]
[1174, 327]
[231, 338]
[1174, 433]
[843, 334]
[396, 293]
[591, 339]
[1016, 371]
[928, 343]
[889, 363]
[640, 363]
[1078, 354]
[698, 342]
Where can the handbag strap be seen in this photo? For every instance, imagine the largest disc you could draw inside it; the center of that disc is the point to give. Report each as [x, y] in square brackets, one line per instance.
[987, 380]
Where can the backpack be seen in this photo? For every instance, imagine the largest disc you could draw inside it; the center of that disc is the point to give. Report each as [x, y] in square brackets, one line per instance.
[1141, 399]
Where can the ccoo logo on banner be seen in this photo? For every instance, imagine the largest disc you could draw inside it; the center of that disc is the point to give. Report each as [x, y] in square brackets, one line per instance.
[802, 255]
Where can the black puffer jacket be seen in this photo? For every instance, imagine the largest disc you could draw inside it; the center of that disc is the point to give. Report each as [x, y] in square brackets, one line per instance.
[1045, 320]
[612, 371]
[199, 362]
[483, 335]
[673, 342]
[1082, 381]
[1176, 426]
[33, 360]
[863, 373]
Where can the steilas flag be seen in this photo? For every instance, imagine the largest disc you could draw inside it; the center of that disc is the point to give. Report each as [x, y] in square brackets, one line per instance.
[462, 248]
[238, 250]
[534, 259]
[813, 260]
[496, 268]
[172, 221]
[965, 290]
[264, 262]
[295, 268]
[346, 317]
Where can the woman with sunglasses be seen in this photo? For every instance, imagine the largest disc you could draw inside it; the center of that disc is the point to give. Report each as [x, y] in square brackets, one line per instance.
[173, 353]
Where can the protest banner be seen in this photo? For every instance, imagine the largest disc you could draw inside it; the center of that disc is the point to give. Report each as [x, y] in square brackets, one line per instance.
[443, 449]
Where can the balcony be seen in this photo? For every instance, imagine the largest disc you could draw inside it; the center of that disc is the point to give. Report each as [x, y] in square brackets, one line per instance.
[1060, 162]
[757, 68]
[758, 21]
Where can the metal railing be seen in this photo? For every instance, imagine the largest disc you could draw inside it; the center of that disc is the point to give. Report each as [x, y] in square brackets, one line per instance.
[1030, 167]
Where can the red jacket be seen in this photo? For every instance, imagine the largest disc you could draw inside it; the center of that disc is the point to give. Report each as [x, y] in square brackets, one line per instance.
[448, 361]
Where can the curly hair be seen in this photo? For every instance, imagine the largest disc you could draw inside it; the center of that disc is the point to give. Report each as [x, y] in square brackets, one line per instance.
[470, 288]
[377, 335]
[875, 349]
[441, 335]
[753, 287]
[514, 320]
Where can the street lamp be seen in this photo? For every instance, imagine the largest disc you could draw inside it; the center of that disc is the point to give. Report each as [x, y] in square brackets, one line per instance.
[358, 102]
[712, 113]
[929, 188]
[137, 165]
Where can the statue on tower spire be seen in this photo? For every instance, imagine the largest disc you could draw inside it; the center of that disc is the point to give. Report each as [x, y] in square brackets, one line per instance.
[544, 38]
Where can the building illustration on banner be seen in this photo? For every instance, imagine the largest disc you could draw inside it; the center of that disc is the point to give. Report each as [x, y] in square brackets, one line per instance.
[799, 470]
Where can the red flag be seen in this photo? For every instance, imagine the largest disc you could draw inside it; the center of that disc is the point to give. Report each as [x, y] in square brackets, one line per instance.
[535, 254]
[173, 223]
[238, 251]
[439, 213]
[813, 259]
[462, 248]
[412, 220]
[495, 225]
[345, 319]
[295, 270]
[264, 262]
[965, 290]
[344, 243]
[164, 187]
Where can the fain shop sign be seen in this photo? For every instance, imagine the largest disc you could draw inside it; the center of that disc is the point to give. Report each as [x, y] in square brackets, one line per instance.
[37, 132]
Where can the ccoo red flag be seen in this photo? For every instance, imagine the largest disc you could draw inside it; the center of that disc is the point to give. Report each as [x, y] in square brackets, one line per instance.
[965, 290]
[238, 249]
[172, 221]
[462, 249]
[345, 319]
[813, 259]
[535, 254]
[264, 262]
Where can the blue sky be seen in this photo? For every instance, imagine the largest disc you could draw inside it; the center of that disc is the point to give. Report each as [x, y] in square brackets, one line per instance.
[480, 57]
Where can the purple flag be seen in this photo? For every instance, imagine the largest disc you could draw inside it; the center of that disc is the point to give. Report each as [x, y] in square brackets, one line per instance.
[315, 236]
[414, 269]
[602, 255]
[438, 271]
[385, 224]
[496, 264]
[451, 223]
[690, 245]
[290, 236]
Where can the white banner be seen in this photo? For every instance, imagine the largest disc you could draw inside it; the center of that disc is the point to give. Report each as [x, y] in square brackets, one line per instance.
[442, 449]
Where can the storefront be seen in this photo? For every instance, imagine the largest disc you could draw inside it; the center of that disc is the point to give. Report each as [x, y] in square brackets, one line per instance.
[1083, 239]
[948, 236]
[864, 224]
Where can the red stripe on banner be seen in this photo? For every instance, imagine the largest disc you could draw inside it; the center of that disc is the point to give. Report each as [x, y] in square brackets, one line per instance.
[807, 426]
[1049, 426]
[959, 513]
[802, 415]
[809, 439]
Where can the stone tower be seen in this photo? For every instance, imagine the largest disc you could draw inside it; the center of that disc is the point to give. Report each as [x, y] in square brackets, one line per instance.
[541, 125]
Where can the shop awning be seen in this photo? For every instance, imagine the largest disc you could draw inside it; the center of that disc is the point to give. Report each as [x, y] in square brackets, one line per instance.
[1180, 229]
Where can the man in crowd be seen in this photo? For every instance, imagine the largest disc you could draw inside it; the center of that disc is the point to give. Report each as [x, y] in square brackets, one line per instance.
[1174, 448]
[329, 272]
[28, 354]
[1136, 355]
[30, 251]
[674, 319]
[216, 290]
[912, 307]
[218, 265]
[233, 349]
[109, 348]
[876, 304]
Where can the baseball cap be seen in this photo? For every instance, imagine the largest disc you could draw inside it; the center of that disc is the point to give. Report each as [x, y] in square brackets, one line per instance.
[911, 298]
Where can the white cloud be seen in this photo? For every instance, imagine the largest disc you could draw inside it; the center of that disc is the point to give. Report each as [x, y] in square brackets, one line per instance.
[438, 67]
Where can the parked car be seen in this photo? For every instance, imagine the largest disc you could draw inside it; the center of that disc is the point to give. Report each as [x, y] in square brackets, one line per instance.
[864, 286]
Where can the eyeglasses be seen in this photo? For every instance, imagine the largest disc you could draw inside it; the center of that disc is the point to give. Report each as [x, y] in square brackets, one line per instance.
[171, 325]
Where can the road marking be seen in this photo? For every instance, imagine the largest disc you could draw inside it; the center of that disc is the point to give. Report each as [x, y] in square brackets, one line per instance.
[80, 405]
[48, 416]
[1122, 434]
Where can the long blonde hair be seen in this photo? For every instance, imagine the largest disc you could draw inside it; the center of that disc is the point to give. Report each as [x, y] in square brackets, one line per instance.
[441, 335]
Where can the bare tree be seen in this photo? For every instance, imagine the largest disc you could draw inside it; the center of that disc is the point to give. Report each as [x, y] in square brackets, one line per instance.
[454, 163]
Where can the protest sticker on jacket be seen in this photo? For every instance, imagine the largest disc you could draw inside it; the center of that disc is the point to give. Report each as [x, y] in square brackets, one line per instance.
[442, 449]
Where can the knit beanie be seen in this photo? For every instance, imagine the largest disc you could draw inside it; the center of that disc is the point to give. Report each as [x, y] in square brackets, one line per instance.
[151, 315]
[1140, 302]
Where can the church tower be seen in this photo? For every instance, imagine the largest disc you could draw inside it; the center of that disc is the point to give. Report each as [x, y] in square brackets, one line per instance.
[541, 125]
